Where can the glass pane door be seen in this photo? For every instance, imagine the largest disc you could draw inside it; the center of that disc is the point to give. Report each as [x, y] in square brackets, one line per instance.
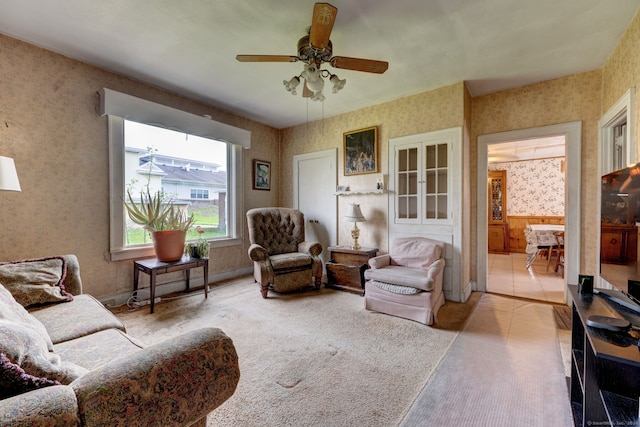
[407, 179]
[436, 181]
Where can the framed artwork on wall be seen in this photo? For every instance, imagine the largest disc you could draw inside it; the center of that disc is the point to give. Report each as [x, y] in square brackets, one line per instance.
[361, 151]
[261, 175]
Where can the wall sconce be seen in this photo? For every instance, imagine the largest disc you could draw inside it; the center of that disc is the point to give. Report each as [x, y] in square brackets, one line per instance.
[354, 214]
[8, 175]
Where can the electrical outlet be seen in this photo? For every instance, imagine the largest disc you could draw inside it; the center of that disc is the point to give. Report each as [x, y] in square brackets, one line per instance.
[148, 301]
[109, 303]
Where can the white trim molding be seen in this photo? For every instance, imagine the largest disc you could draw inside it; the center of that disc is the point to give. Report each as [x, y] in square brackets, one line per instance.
[573, 142]
[622, 111]
[139, 110]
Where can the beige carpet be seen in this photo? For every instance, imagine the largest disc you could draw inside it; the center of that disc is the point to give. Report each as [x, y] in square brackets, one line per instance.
[309, 359]
[503, 369]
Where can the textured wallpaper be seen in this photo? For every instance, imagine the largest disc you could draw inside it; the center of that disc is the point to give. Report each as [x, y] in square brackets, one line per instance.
[622, 69]
[568, 99]
[49, 126]
[534, 188]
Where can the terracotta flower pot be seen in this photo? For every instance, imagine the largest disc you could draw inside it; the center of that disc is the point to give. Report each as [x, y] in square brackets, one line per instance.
[169, 244]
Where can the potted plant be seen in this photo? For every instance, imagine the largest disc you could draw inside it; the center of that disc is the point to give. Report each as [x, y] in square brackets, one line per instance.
[167, 224]
[200, 248]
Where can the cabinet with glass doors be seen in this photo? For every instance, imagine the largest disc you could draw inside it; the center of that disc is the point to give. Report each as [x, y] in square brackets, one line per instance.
[422, 183]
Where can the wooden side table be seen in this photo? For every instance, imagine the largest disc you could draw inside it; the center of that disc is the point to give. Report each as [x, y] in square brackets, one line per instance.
[345, 270]
[153, 267]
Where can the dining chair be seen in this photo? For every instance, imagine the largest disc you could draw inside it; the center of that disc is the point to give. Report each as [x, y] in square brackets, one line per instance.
[559, 251]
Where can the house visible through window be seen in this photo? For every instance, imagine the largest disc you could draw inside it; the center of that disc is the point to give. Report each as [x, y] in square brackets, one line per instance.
[174, 163]
[199, 194]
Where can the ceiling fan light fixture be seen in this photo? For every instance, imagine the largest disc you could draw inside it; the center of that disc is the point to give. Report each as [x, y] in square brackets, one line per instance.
[337, 83]
[292, 84]
[318, 96]
[314, 49]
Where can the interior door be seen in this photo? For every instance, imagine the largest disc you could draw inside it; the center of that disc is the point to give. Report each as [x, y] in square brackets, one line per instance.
[314, 185]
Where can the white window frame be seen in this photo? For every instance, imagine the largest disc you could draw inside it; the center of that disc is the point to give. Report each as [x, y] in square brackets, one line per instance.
[117, 249]
[622, 111]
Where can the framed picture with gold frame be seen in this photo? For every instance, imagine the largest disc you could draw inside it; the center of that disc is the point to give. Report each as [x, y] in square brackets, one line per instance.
[261, 175]
[361, 151]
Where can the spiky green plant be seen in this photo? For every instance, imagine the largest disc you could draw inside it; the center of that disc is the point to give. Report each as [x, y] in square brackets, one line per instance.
[154, 214]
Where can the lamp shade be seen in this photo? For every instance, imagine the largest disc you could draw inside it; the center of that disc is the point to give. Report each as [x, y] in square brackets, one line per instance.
[8, 175]
[354, 214]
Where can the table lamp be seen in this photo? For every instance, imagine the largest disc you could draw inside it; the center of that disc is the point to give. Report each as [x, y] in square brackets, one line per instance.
[8, 175]
[354, 215]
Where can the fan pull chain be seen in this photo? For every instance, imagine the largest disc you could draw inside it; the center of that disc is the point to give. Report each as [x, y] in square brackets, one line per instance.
[323, 118]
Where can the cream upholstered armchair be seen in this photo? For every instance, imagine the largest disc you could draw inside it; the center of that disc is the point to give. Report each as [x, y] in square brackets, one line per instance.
[407, 282]
[281, 257]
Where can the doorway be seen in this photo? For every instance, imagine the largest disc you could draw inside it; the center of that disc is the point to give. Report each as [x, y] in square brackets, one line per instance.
[314, 185]
[526, 187]
[572, 134]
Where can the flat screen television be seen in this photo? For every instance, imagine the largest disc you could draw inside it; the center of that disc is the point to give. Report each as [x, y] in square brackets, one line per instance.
[619, 216]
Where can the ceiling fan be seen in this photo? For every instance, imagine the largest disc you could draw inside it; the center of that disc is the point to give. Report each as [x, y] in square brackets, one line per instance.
[315, 49]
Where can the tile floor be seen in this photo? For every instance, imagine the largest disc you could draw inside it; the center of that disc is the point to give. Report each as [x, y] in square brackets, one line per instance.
[508, 275]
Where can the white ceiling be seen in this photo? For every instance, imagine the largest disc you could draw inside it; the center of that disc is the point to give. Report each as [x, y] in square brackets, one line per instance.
[189, 47]
[536, 148]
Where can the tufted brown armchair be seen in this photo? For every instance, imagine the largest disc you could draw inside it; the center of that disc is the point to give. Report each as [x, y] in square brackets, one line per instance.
[281, 257]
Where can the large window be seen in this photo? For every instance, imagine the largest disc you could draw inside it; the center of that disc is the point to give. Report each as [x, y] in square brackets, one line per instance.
[202, 174]
[173, 162]
[172, 151]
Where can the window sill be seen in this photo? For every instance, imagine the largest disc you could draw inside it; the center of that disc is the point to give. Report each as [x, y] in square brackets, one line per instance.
[147, 251]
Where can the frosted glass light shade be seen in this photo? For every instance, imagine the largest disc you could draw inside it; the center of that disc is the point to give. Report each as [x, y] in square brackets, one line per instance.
[8, 175]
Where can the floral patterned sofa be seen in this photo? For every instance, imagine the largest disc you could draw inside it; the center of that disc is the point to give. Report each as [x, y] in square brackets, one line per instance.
[68, 361]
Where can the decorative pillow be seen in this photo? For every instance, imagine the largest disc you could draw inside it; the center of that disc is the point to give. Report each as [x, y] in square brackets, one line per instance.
[23, 346]
[14, 380]
[11, 310]
[36, 281]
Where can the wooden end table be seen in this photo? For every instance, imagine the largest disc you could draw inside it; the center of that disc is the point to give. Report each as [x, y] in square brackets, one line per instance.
[153, 267]
[345, 270]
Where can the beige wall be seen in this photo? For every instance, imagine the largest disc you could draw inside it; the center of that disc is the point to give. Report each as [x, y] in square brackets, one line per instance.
[622, 70]
[50, 127]
[567, 99]
[438, 109]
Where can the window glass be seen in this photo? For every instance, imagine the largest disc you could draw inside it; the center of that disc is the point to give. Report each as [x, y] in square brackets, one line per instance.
[436, 181]
[189, 170]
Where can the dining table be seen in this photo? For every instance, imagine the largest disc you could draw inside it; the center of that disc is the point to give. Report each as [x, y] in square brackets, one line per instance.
[542, 236]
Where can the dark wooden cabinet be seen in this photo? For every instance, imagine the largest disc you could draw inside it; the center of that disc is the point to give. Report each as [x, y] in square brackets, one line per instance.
[345, 270]
[498, 229]
[618, 243]
[498, 238]
[605, 365]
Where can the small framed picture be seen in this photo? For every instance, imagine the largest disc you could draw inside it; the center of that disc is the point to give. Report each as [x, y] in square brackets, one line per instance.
[361, 151]
[261, 175]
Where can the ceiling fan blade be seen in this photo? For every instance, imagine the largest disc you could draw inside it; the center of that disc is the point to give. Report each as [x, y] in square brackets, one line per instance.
[306, 92]
[266, 58]
[324, 15]
[357, 64]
